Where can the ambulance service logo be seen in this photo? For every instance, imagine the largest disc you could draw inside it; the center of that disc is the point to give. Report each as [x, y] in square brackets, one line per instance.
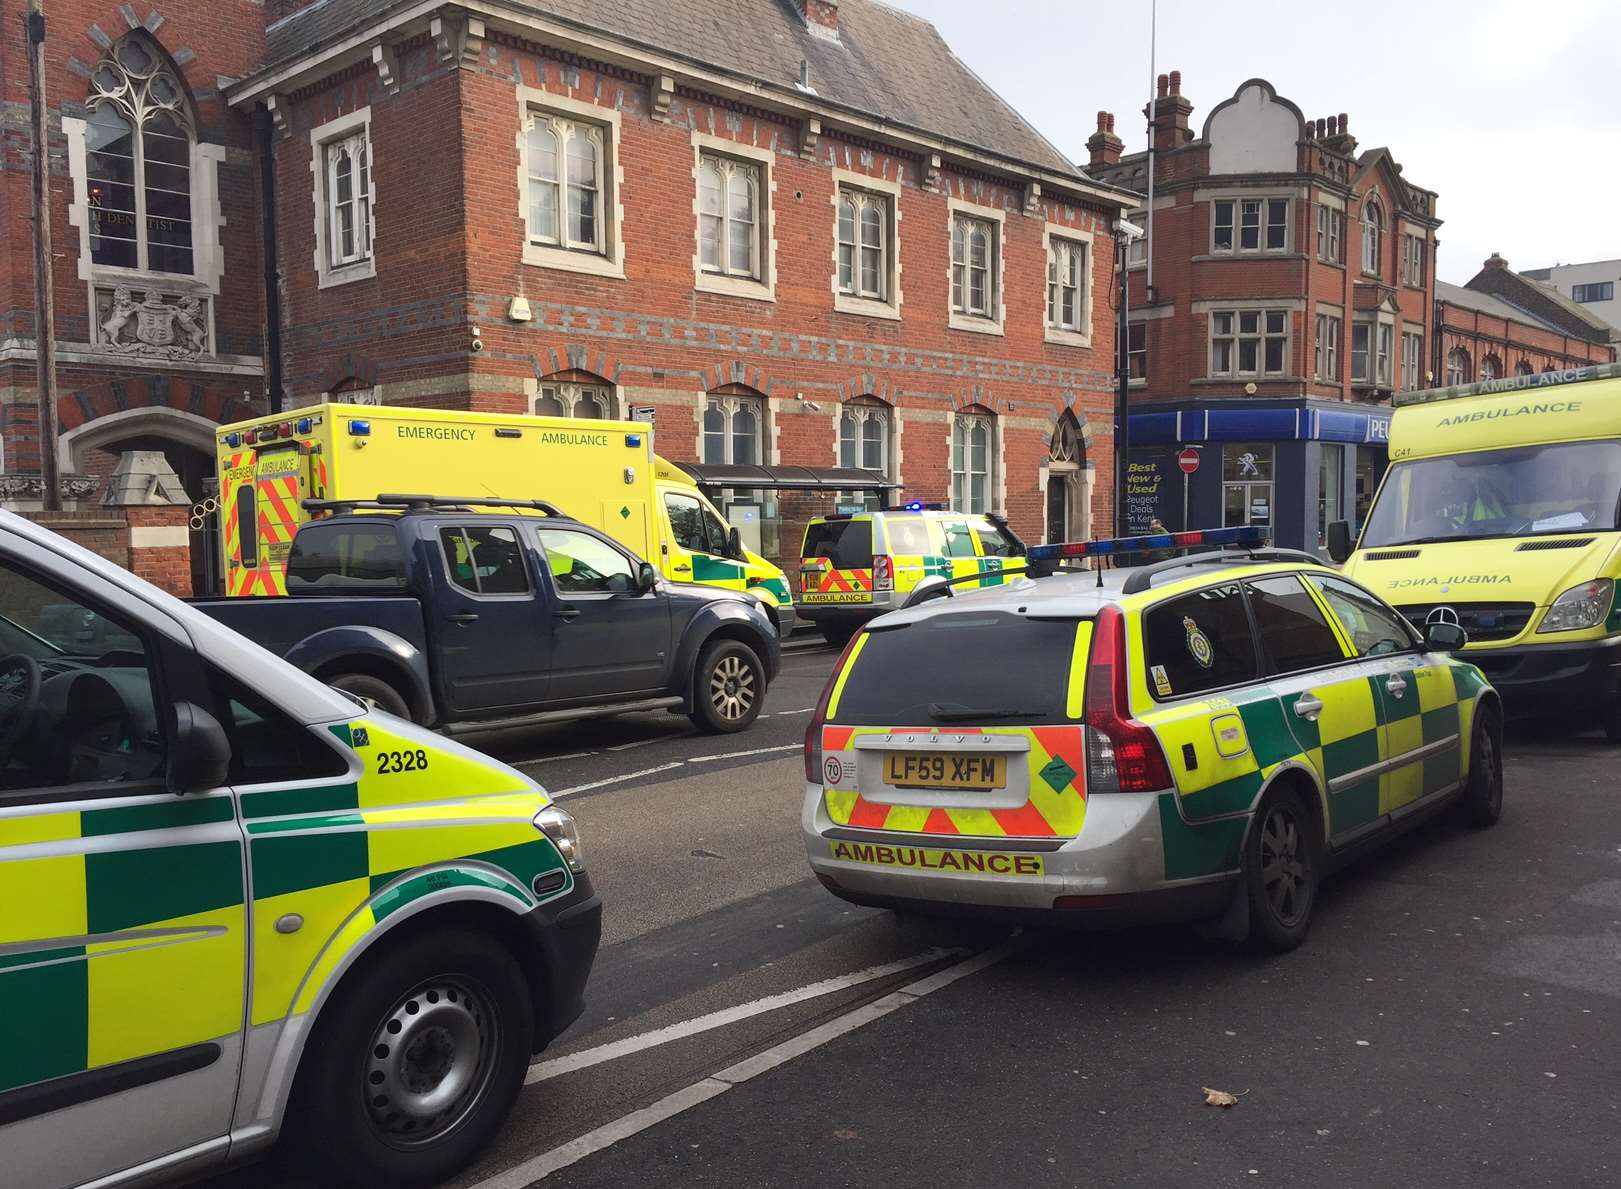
[1198, 644]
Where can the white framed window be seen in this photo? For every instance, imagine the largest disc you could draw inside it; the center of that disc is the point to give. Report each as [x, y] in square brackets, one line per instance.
[865, 432]
[975, 267]
[1593, 291]
[1372, 345]
[973, 263]
[1137, 350]
[1412, 360]
[1373, 233]
[734, 430]
[863, 244]
[1326, 364]
[1413, 260]
[1249, 225]
[1067, 267]
[1249, 342]
[1460, 370]
[138, 142]
[1137, 249]
[348, 200]
[1331, 234]
[569, 182]
[1384, 354]
[567, 399]
[733, 209]
[565, 187]
[973, 458]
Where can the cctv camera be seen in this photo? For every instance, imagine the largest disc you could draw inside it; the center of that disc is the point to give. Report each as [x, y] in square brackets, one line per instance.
[813, 406]
[478, 342]
[1128, 230]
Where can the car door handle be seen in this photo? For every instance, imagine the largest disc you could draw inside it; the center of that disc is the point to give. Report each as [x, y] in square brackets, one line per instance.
[1396, 685]
[1308, 707]
[567, 613]
[682, 569]
[463, 617]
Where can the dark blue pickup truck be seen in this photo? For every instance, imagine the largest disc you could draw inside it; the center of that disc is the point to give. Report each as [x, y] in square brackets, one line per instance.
[466, 619]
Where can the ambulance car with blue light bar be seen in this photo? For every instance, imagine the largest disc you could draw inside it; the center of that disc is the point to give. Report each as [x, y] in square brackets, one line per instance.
[1200, 738]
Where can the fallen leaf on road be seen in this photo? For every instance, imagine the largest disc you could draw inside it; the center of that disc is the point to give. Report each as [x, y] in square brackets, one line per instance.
[1221, 1097]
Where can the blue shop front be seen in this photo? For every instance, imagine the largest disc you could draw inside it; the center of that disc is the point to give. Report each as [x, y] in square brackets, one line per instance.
[1293, 466]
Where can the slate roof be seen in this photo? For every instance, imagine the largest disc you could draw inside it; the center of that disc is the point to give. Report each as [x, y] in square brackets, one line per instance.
[886, 63]
[1470, 298]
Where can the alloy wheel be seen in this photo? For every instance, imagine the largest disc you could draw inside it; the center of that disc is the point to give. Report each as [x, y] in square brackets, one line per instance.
[1285, 876]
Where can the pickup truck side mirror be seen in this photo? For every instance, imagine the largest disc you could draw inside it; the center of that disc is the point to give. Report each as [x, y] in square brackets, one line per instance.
[201, 756]
[1444, 637]
[646, 577]
[1339, 541]
[734, 546]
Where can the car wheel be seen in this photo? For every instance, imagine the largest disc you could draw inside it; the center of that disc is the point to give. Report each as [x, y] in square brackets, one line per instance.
[373, 689]
[837, 634]
[1281, 871]
[728, 687]
[1482, 802]
[414, 1066]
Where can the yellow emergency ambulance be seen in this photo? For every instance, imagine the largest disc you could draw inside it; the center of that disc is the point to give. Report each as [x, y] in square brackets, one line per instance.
[1501, 512]
[854, 567]
[601, 473]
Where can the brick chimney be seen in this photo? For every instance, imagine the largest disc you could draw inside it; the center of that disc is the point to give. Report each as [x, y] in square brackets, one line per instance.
[1170, 113]
[1334, 134]
[821, 18]
[1103, 144]
[1496, 261]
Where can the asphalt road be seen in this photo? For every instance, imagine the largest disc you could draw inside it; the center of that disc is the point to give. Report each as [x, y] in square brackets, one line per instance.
[1453, 1020]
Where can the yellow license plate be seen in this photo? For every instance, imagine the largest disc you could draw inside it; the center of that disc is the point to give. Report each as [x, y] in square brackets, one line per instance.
[952, 862]
[944, 770]
[837, 596]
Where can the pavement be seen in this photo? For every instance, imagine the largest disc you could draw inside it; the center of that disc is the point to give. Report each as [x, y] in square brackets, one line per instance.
[1452, 1020]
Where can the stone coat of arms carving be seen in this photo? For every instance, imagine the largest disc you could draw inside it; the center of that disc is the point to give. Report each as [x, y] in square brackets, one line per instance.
[162, 325]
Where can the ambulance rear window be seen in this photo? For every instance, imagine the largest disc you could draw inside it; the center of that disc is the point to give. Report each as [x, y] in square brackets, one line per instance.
[845, 543]
[336, 557]
[973, 669]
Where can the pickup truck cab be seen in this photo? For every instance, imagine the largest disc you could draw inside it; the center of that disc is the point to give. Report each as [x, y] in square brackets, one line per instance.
[466, 619]
[237, 904]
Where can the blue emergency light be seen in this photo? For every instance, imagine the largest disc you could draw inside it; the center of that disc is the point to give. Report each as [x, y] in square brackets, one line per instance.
[1245, 538]
[360, 429]
[304, 425]
[233, 440]
[633, 439]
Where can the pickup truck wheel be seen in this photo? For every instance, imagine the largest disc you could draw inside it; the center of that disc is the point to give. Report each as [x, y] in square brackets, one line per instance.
[373, 689]
[414, 1064]
[728, 687]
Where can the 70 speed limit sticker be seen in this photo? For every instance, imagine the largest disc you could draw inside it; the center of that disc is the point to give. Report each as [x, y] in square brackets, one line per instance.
[833, 771]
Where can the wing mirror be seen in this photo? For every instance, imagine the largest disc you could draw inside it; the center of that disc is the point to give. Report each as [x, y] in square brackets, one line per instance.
[646, 577]
[201, 758]
[1444, 637]
[1339, 541]
[734, 546]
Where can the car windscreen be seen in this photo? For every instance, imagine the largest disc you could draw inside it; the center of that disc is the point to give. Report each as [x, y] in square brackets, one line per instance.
[1565, 487]
[846, 544]
[969, 668]
[327, 558]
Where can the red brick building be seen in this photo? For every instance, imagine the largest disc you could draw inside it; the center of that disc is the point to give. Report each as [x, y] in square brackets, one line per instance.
[1504, 324]
[156, 233]
[1285, 293]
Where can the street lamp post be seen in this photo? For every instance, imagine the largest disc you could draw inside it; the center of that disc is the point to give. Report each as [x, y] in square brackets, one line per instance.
[44, 320]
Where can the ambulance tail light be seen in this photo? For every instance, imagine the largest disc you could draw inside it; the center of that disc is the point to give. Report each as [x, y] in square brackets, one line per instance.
[813, 733]
[1122, 755]
[883, 572]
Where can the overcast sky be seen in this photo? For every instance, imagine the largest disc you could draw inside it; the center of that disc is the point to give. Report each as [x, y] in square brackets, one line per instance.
[1508, 109]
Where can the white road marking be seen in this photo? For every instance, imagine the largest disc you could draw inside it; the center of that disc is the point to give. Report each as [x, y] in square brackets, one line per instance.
[543, 1165]
[737, 755]
[597, 784]
[573, 755]
[807, 710]
[586, 1058]
[640, 743]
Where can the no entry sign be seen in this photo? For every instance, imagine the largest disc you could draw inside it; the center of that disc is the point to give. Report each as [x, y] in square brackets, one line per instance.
[1188, 460]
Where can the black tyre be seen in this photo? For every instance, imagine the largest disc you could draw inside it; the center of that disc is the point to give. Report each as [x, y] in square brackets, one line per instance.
[728, 687]
[1482, 802]
[1282, 866]
[373, 689]
[837, 633]
[1610, 719]
[414, 1065]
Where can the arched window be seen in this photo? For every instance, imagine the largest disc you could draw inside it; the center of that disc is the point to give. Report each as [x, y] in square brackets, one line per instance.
[1459, 369]
[1373, 231]
[1491, 367]
[1523, 368]
[138, 149]
[565, 183]
[973, 455]
[734, 429]
[729, 216]
[569, 399]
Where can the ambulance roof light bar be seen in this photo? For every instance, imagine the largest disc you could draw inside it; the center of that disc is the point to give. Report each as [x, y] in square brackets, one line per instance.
[1532, 383]
[1246, 537]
